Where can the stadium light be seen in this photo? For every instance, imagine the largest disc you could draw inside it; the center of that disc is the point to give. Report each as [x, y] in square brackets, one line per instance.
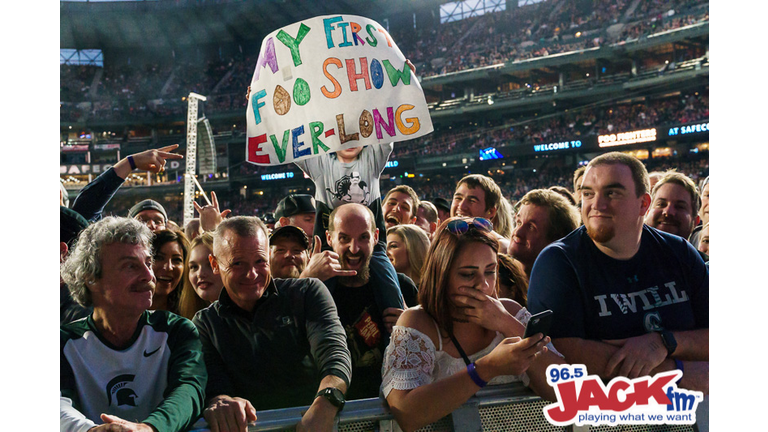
[195, 95]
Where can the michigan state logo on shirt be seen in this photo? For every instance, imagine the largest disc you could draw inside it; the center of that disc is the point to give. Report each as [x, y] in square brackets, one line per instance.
[118, 390]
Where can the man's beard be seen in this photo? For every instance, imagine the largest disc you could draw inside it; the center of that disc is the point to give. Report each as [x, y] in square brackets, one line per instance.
[362, 276]
[290, 272]
[601, 235]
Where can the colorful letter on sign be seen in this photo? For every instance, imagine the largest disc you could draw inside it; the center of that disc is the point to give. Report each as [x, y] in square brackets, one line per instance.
[326, 84]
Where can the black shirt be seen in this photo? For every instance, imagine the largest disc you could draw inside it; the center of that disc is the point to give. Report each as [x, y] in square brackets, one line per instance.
[367, 337]
[275, 356]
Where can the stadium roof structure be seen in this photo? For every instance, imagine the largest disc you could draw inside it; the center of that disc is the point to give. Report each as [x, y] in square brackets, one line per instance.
[173, 24]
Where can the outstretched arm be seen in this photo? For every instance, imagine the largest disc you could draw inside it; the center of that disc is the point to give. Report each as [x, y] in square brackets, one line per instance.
[95, 195]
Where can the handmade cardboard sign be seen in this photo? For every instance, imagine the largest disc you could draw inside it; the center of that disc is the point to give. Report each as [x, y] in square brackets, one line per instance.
[327, 84]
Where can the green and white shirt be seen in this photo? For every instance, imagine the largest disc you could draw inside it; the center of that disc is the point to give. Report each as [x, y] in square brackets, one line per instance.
[158, 379]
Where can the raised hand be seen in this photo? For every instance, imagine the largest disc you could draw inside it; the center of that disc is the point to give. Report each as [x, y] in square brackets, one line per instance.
[149, 160]
[154, 160]
[210, 215]
[324, 264]
[410, 65]
[477, 307]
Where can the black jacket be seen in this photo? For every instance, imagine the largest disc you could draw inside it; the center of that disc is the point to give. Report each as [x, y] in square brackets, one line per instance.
[276, 356]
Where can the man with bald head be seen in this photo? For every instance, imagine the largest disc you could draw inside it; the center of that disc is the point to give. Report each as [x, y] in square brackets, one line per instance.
[361, 299]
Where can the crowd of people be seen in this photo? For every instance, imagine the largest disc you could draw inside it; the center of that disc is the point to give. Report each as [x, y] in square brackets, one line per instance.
[376, 292]
[414, 290]
[155, 90]
[537, 30]
[514, 184]
[572, 124]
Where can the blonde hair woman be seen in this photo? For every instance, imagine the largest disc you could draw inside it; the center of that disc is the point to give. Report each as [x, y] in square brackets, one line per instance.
[201, 287]
[406, 247]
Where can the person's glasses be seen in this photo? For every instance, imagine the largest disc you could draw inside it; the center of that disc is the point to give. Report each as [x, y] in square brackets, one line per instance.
[461, 226]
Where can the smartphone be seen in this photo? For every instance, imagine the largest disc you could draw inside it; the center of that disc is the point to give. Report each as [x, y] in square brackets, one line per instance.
[538, 323]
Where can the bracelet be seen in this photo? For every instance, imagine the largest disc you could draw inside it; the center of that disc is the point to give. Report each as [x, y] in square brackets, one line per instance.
[679, 366]
[475, 377]
[130, 161]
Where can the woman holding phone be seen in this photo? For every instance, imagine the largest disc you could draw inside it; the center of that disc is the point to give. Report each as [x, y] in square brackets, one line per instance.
[461, 336]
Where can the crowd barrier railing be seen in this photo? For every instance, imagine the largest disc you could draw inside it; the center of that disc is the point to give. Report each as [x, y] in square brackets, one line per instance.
[505, 408]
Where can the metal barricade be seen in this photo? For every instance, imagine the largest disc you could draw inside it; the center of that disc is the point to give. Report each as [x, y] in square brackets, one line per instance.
[511, 407]
[505, 408]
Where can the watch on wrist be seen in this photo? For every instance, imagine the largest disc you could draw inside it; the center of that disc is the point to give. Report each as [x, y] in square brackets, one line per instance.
[334, 396]
[669, 341]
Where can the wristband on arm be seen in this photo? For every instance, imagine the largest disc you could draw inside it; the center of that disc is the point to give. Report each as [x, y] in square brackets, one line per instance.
[679, 366]
[475, 377]
[131, 161]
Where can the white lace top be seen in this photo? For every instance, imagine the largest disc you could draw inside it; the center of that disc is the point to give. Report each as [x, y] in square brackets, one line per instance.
[411, 359]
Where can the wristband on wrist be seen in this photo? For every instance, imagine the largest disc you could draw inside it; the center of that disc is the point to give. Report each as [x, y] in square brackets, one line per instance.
[130, 161]
[679, 366]
[475, 377]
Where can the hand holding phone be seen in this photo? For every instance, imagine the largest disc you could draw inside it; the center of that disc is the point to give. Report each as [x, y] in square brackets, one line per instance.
[538, 323]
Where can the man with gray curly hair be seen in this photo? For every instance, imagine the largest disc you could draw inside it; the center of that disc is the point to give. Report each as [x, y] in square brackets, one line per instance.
[123, 361]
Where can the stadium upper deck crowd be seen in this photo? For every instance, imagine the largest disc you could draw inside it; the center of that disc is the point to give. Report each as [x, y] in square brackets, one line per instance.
[156, 90]
[419, 302]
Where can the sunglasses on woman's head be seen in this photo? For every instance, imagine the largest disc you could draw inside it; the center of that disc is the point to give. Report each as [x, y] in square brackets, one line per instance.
[461, 226]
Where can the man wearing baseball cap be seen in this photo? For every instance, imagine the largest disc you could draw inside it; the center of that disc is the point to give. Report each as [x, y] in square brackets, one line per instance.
[297, 210]
[443, 208]
[150, 213]
[288, 254]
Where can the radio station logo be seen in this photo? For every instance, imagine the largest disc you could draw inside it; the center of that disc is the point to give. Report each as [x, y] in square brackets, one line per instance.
[585, 400]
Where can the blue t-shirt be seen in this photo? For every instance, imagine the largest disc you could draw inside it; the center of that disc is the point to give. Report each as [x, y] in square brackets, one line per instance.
[593, 296]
